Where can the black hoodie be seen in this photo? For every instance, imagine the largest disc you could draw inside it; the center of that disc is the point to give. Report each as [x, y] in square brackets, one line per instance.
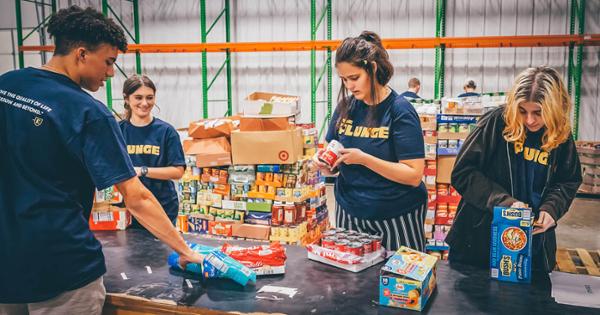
[484, 175]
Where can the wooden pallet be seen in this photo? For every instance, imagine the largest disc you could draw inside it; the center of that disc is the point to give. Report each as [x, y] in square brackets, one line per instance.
[578, 260]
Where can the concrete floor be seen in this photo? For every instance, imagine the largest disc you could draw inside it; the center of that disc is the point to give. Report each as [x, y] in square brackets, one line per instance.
[580, 227]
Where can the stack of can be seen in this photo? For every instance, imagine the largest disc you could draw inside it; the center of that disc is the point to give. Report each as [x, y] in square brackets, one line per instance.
[348, 241]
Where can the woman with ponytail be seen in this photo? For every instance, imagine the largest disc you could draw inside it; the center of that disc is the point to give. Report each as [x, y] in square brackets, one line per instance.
[379, 188]
[153, 145]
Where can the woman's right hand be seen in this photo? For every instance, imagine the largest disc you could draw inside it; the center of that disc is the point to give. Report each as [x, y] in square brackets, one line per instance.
[323, 167]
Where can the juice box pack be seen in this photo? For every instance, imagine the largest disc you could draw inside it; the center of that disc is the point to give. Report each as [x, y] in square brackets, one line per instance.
[510, 253]
[407, 280]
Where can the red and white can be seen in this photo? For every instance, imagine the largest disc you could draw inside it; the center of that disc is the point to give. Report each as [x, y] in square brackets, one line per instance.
[356, 248]
[331, 153]
[329, 242]
[376, 242]
[341, 245]
[367, 245]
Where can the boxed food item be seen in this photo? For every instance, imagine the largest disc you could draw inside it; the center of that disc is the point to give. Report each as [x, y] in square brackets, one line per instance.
[510, 253]
[209, 152]
[212, 128]
[263, 104]
[258, 232]
[266, 147]
[407, 280]
[110, 219]
[223, 228]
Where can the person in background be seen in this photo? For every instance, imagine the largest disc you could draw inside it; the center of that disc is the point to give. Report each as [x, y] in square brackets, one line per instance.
[57, 144]
[414, 86]
[379, 188]
[521, 153]
[469, 89]
[153, 145]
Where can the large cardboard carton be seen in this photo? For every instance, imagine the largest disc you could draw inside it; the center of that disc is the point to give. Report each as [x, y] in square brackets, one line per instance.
[258, 232]
[209, 152]
[263, 104]
[266, 147]
[212, 128]
[265, 124]
[510, 253]
[445, 164]
[407, 280]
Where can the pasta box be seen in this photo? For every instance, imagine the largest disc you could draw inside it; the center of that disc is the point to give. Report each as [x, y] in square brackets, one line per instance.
[408, 279]
[510, 252]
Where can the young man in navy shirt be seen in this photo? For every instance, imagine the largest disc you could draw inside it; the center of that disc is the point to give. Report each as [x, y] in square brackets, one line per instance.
[414, 86]
[57, 143]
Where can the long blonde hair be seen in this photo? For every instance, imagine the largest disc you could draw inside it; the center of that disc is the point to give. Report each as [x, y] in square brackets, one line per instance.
[543, 86]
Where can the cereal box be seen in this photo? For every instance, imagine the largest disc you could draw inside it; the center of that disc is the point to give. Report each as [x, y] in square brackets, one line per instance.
[407, 280]
[510, 253]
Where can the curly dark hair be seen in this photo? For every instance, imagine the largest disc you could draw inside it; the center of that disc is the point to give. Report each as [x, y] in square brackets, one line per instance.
[74, 26]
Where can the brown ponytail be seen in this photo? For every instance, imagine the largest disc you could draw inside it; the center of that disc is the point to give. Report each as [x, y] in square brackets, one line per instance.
[361, 52]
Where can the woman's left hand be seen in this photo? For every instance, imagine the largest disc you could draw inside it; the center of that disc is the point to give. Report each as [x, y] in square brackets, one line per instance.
[543, 223]
[350, 156]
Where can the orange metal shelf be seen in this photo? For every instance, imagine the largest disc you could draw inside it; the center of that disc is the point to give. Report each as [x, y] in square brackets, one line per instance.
[390, 43]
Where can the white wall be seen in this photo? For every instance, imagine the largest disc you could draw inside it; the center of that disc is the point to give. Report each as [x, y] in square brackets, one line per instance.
[178, 76]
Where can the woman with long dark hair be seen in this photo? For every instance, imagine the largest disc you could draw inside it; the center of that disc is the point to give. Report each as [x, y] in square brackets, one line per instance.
[379, 188]
[153, 145]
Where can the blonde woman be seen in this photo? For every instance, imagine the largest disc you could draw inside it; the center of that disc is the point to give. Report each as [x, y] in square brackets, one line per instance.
[519, 153]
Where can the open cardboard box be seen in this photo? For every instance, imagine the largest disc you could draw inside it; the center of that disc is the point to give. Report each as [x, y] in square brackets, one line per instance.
[209, 152]
[264, 104]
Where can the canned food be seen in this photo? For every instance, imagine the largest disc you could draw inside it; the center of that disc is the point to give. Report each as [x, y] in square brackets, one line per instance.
[364, 235]
[376, 242]
[353, 238]
[443, 190]
[453, 127]
[341, 245]
[182, 223]
[328, 233]
[367, 245]
[355, 248]
[443, 144]
[329, 242]
[452, 144]
[340, 230]
[331, 153]
[443, 127]
[352, 232]
[463, 128]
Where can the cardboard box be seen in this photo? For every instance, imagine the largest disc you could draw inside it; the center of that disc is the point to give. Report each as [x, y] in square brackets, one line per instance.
[266, 147]
[198, 223]
[264, 124]
[259, 232]
[212, 128]
[223, 228]
[407, 280]
[209, 152]
[111, 219]
[510, 253]
[445, 164]
[264, 104]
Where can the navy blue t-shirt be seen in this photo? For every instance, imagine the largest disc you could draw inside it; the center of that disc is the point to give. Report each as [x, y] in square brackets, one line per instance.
[532, 169]
[410, 95]
[397, 135]
[156, 145]
[57, 143]
[468, 94]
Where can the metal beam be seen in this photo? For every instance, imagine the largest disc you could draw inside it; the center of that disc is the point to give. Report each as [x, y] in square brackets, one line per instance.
[578, 69]
[19, 33]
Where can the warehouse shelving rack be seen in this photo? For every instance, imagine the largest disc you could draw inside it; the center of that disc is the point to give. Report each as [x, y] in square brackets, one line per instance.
[440, 43]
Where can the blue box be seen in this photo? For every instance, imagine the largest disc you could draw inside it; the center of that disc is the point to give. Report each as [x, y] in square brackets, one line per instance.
[407, 280]
[510, 253]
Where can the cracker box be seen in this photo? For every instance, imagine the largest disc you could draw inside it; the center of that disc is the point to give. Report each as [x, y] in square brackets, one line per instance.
[510, 253]
[407, 280]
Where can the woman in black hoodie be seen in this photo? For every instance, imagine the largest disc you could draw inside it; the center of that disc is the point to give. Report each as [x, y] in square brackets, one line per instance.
[519, 153]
